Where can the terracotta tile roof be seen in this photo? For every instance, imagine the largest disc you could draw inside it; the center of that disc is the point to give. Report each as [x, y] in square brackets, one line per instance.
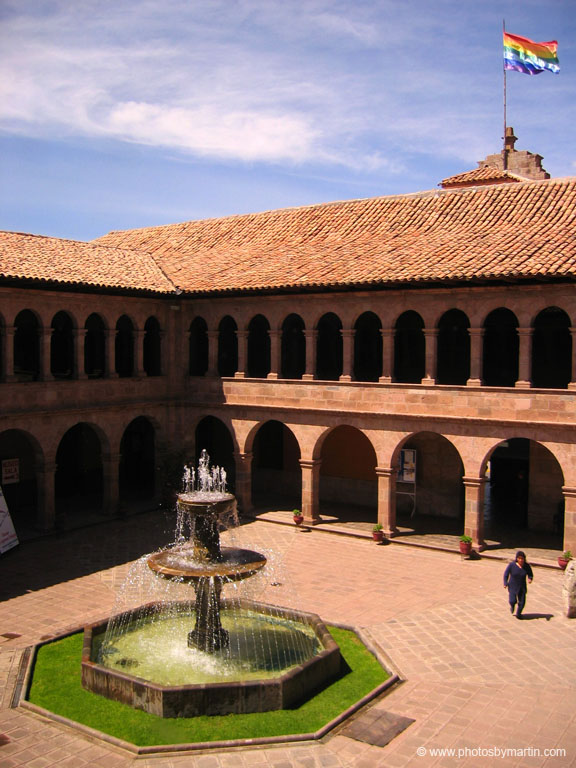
[487, 174]
[503, 231]
[50, 259]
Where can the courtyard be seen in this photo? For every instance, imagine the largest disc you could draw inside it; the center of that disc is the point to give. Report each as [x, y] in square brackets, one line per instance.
[474, 679]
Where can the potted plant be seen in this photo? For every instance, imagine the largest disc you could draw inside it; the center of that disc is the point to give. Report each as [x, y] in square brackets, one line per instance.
[378, 533]
[465, 545]
[297, 516]
[564, 559]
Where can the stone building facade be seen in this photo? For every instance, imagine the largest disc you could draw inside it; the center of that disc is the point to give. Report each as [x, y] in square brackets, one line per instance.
[403, 355]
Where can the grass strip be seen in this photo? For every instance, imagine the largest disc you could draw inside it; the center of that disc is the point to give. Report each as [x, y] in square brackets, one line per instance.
[56, 686]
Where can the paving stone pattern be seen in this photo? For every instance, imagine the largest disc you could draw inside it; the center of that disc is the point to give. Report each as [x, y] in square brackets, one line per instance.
[475, 678]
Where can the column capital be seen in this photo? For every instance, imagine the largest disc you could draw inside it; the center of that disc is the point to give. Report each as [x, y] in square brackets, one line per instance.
[310, 463]
[386, 471]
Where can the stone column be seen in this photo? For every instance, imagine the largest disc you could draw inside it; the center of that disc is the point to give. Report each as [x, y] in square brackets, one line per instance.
[572, 384]
[387, 500]
[310, 337]
[79, 342]
[138, 342]
[8, 368]
[476, 351]
[569, 494]
[111, 354]
[111, 488]
[474, 510]
[347, 353]
[524, 358]
[387, 335]
[46, 514]
[212, 353]
[45, 373]
[431, 344]
[275, 364]
[242, 337]
[310, 490]
[244, 481]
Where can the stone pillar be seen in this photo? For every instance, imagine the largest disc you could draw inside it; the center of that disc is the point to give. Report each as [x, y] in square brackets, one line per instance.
[111, 354]
[474, 510]
[8, 356]
[111, 488]
[431, 344]
[347, 353]
[242, 337]
[275, 363]
[310, 490]
[569, 494]
[476, 351]
[79, 342]
[387, 335]
[572, 384]
[310, 337]
[244, 482]
[524, 358]
[138, 342]
[45, 347]
[387, 500]
[46, 514]
[212, 353]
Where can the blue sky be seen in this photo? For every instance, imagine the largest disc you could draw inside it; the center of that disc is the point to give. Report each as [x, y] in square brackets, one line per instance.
[119, 114]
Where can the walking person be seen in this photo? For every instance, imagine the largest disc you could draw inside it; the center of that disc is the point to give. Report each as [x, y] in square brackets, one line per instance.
[515, 577]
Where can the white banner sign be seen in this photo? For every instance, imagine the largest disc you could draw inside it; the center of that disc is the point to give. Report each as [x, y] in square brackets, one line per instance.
[8, 538]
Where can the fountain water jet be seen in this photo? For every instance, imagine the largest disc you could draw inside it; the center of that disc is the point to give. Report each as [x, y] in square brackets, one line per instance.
[264, 658]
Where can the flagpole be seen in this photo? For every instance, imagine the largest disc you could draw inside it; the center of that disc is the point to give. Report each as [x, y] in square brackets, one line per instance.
[504, 153]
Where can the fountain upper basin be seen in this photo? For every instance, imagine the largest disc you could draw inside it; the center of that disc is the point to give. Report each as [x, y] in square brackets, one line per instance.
[182, 563]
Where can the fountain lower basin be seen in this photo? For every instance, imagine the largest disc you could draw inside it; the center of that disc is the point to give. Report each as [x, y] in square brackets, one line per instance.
[257, 683]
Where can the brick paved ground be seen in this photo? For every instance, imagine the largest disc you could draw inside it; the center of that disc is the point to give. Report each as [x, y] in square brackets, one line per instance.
[475, 677]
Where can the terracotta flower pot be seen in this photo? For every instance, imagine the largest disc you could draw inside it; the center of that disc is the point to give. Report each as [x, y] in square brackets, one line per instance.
[562, 562]
[378, 535]
[298, 519]
[465, 547]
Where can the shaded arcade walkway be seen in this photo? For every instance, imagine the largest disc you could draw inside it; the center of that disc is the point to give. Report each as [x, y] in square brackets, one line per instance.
[430, 532]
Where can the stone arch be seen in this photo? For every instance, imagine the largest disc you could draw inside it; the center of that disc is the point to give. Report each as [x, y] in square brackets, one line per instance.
[409, 348]
[198, 347]
[227, 346]
[524, 490]
[62, 346]
[293, 347]
[152, 347]
[27, 346]
[329, 349]
[258, 357]
[500, 348]
[348, 486]
[551, 349]
[367, 347]
[124, 347]
[276, 473]
[429, 488]
[453, 356]
[95, 346]
[137, 469]
[79, 478]
[215, 436]
[20, 487]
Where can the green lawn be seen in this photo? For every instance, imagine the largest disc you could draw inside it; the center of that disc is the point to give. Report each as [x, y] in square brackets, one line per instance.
[56, 686]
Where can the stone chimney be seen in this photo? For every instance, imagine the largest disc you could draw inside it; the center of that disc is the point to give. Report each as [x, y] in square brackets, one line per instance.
[520, 162]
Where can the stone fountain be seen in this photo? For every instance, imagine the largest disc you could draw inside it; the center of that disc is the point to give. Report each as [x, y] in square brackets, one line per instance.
[240, 656]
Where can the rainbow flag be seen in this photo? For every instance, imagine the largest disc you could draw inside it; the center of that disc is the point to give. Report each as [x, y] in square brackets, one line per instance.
[524, 55]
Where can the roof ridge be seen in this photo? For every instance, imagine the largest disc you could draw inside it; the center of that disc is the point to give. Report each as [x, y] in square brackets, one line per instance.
[434, 192]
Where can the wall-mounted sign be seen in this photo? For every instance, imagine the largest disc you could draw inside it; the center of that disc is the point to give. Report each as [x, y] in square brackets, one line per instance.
[10, 471]
[8, 538]
[407, 473]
